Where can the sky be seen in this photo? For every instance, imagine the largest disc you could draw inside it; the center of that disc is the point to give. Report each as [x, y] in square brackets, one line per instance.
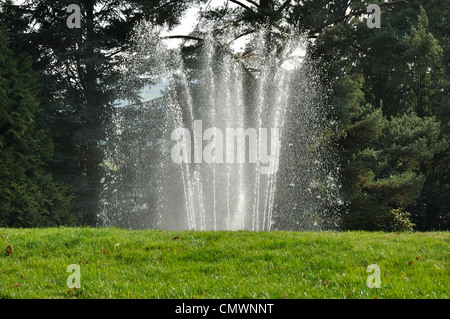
[191, 18]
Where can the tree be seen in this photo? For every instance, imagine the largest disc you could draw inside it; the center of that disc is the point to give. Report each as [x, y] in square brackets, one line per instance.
[28, 194]
[387, 88]
[80, 69]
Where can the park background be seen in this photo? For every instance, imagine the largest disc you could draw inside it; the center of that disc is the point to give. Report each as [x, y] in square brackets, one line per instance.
[386, 100]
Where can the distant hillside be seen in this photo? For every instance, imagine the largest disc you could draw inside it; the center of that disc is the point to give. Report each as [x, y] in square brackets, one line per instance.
[148, 93]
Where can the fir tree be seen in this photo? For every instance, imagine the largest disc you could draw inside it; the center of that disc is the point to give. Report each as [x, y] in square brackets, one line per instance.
[29, 196]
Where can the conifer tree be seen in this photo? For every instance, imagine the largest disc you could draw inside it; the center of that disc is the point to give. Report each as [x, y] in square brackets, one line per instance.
[29, 196]
[80, 69]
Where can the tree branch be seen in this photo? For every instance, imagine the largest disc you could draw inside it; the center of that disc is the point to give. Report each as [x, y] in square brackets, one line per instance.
[312, 34]
[241, 4]
[244, 67]
[115, 52]
[284, 5]
[187, 37]
[357, 47]
[253, 2]
[244, 34]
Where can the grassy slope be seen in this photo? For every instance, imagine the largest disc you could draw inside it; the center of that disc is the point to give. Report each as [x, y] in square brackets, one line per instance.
[119, 263]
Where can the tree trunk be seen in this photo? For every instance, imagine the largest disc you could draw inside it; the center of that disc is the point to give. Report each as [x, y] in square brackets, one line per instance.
[420, 96]
[92, 122]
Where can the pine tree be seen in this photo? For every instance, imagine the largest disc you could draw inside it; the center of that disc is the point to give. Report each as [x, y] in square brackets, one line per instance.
[28, 194]
[387, 87]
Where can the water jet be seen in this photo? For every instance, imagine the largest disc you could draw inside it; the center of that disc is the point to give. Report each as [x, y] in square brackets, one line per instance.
[225, 91]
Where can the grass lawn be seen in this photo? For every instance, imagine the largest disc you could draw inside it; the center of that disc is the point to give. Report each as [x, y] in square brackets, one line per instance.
[117, 263]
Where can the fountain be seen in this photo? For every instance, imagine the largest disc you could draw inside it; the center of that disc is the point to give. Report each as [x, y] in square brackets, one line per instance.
[232, 142]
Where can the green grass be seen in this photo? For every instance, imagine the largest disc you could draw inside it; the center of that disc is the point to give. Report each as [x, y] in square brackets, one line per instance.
[117, 263]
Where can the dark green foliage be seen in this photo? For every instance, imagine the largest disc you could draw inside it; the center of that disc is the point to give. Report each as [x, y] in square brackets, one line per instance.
[80, 69]
[29, 196]
[389, 96]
